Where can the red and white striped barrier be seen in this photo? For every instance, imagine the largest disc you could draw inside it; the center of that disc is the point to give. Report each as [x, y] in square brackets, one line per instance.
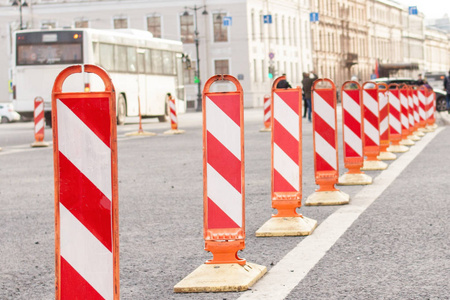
[223, 195]
[395, 125]
[286, 166]
[431, 109]
[173, 117]
[404, 116]
[371, 128]
[39, 124]
[423, 104]
[415, 97]
[325, 146]
[412, 122]
[384, 123]
[86, 190]
[352, 130]
[267, 113]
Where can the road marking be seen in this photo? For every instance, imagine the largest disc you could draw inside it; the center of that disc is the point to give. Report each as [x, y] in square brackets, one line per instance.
[291, 269]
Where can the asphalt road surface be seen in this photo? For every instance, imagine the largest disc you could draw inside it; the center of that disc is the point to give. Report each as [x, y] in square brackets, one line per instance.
[390, 242]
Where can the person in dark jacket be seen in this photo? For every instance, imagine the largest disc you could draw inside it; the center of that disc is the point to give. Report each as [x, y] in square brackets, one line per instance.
[447, 89]
[307, 85]
[420, 80]
[283, 84]
[305, 103]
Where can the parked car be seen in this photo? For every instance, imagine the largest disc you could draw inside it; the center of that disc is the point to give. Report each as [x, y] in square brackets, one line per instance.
[7, 113]
[441, 104]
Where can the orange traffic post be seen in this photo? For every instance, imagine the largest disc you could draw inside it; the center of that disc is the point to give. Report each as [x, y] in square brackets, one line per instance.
[423, 109]
[415, 97]
[431, 119]
[371, 128]
[326, 163]
[39, 123]
[287, 166]
[383, 102]
[140, 131]
[395, 126]
[267, 114]
[412, 122]
[173, 117]
[223, 195]
[86, 190]
[352, 131]
[404, 116]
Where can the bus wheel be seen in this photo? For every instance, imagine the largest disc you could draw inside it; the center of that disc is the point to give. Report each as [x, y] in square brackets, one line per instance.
[121, 110]
[164, 117]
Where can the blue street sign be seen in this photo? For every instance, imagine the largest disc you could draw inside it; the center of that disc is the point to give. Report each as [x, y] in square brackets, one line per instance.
[412, 10]
[267, 19]
[314, 17]
[227, 21]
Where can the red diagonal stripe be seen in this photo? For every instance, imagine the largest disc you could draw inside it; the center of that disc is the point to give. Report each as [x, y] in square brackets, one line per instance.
[349, 151]
[325, 131]
[322, 165]
[368, 142]
[326, 95]
[217, 218]
[354, 95]
[285, 141]
[85, 201]
[94, 112]
[223, 161]
[291, 98]
[229, 103]
[280, 184]
[353, 124]
[73, 286]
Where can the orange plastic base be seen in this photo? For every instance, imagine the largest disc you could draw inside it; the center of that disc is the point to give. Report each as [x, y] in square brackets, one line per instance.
[225, 252]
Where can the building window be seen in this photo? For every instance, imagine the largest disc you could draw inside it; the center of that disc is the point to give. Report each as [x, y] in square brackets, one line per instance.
[189, 71]
[120, 22]
[187, 29]
[82, 24]
[253, 26]
[48, 24]
[220, 31]
[154, 25]
[221, 66]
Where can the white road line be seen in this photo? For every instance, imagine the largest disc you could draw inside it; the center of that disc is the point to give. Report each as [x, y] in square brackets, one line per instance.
[291, 269]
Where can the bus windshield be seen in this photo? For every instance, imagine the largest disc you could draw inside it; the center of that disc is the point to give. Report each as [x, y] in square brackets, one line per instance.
[49, 54]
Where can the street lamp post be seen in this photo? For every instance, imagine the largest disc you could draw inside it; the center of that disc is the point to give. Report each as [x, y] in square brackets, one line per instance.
[20, 4]
[197, 73]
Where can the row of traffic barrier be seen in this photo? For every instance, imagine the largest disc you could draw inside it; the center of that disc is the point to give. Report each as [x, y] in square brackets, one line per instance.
[86, 219]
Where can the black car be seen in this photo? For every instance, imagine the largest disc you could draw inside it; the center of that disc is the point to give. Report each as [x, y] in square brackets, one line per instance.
[441, 104]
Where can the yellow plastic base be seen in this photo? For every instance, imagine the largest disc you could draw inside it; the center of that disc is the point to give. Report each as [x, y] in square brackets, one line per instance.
[387, 156]
[407, 142]
[174, 131]
[287, 226]
[221, 278]
[413, 137]
[419, 133]
[265, 129]
[355, 179]
[327, 198]
[374, 165]
[140, 133]
[40, 144]
[397, 148]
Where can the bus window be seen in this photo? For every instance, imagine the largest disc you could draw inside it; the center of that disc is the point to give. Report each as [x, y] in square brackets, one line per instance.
[141, 63]
[157, 66]
[95, 51]
[148, 61]
[107, 56]
[168, 63]
[120, 58]
[131, 59]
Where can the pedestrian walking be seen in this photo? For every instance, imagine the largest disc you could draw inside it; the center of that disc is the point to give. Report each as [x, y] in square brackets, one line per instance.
[447, 89]
[307, 85]
[305, 103]
[420, 80]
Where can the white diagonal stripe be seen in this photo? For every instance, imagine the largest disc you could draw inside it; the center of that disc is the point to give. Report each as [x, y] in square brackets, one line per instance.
[394, 102]
[324, 110]
[371, 132]
[351, 139]
[405, 121]
[224, 195]
[172, 105]
[350, 106]
[286, 116]
[370, 103]
[84, 149]
[384, 126]
[395, 123]
[267, 116]
[325, 150]
[173, 118]
[39, 125]
[403, 100]
[266, 103]
[86, 254]
[38, 109]
[223, 128]
[382, 100]
[287, 168]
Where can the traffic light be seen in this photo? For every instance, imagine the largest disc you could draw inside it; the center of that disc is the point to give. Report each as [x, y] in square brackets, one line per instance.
[271, 72]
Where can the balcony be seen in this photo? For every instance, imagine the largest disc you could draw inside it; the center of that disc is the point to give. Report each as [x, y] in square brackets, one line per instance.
[351, 59]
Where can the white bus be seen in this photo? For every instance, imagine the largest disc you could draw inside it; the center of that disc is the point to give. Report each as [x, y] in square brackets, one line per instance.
[140, 66]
